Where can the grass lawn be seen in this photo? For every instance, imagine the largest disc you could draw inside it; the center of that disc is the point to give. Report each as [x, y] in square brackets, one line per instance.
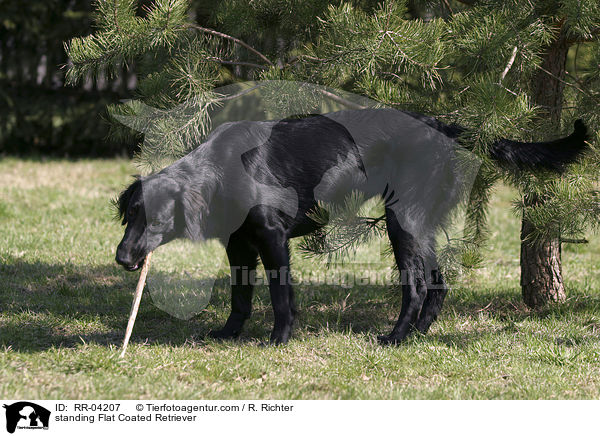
[64, 305]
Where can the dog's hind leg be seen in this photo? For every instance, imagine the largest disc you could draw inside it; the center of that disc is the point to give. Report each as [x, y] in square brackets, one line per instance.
[243, 259]
[410, 260]
[436, 292]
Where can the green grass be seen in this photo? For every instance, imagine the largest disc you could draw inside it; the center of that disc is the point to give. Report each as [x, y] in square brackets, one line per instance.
[64, 305]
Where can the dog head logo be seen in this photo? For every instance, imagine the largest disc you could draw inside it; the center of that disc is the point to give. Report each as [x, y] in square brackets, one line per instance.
[26, 415]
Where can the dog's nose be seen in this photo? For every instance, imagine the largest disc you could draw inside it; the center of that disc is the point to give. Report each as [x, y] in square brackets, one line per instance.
[123, 258]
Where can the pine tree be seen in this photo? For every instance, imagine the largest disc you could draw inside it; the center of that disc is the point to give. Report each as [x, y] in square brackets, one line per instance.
[500, 68]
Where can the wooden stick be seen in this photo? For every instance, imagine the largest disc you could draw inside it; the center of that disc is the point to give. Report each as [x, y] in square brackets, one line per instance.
[136, 302]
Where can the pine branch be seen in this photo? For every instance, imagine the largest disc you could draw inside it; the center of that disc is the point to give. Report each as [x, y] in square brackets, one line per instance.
[574, 241]
[594, 32]
[241, 63]
[341, 100]
[447, 4]
[115, 18]
[389, 34]
[343, 227]
[239, 94]
[234, 39]
[509, 64]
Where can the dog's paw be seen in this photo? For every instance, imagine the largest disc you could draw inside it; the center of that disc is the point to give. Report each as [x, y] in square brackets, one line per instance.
[223, 334]
[280, 337]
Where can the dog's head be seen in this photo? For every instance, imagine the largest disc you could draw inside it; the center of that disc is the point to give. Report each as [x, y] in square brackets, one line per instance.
[155, 210]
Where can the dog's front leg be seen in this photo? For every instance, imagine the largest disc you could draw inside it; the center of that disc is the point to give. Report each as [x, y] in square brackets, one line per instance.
[274, 252]
[243, 258]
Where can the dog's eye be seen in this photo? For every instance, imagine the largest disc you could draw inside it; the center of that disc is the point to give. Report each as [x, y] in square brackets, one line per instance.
[155, 222]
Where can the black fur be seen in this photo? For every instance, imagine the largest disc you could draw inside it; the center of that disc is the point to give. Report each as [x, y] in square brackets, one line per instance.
[553, 156]
[122, 202]
[253, 184]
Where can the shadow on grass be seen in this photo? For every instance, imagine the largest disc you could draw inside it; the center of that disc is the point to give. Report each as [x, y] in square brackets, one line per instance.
[63, 305]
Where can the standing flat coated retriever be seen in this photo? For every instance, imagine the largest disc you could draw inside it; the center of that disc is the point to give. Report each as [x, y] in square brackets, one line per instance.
[254, 184]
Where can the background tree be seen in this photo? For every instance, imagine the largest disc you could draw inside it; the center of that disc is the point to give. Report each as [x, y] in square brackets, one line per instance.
[38, 115]
[498, 68]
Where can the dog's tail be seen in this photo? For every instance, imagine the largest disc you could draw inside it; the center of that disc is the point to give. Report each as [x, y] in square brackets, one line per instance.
[552, 155]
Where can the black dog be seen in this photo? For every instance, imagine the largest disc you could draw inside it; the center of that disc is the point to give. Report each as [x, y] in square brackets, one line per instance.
[254, 184]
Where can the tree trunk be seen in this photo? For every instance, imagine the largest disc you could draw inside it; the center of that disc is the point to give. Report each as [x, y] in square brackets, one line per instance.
[541, 268]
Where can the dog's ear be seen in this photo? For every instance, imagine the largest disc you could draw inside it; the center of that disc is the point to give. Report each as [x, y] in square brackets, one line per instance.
[193, 211]
[122, 202]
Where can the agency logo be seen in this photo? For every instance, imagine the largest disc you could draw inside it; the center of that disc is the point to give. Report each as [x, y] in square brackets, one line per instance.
[26, 415]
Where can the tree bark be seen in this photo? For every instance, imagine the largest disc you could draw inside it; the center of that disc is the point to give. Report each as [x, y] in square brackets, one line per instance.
[541, 266]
